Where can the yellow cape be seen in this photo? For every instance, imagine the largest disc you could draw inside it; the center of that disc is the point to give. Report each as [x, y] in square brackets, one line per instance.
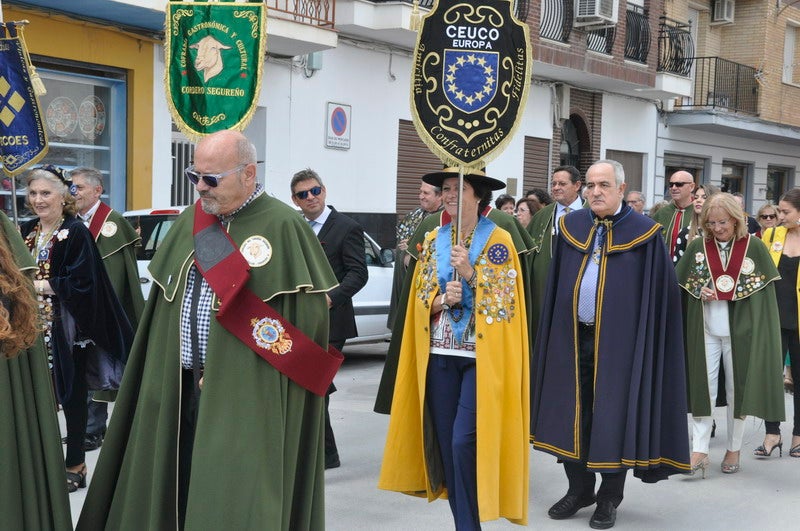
[503, 404]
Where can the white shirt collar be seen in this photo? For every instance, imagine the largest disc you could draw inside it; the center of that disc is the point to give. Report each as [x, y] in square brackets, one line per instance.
[323, 217]
[90, 213]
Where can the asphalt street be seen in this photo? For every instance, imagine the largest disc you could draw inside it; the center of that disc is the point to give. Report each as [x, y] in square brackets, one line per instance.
[763, 495]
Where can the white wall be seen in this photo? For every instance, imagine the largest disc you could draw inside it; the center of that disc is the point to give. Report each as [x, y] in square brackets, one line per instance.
[162, 135]
[630, 125]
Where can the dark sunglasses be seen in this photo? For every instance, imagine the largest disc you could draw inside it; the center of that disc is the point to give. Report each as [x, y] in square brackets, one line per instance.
[679, 184]
[315, 191]
[768, 216]
[211, 179]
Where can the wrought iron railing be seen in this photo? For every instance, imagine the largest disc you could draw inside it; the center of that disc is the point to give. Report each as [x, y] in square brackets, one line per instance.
[675, 47]
[311, 12]
[556, 19]
[637, 33]
[521, 7]
[723, 84]
[601, 40]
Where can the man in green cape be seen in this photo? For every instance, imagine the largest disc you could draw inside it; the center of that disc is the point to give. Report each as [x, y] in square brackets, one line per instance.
[677, 214]
[565, 187]
[116, 240]
[34, 495]
[228, 442]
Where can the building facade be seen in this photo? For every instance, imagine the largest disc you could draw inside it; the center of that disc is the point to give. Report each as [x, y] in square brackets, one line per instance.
[710, 86]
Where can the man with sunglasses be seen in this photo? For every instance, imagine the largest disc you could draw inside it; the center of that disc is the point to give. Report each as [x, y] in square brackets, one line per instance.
[677, 214]
[342, 240]
[212, 429]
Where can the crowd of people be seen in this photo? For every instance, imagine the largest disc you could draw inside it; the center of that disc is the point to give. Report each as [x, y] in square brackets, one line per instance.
[545, 321]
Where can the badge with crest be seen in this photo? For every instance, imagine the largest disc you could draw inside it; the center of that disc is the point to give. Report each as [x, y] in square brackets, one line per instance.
[470, 79]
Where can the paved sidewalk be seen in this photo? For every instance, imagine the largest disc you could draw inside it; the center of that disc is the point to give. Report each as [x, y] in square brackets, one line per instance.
[763, 495]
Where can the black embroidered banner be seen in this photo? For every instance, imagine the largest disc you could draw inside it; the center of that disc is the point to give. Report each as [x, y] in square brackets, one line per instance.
[472, 71]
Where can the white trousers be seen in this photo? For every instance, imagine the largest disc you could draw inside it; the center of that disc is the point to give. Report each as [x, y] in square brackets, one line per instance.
[718, 348]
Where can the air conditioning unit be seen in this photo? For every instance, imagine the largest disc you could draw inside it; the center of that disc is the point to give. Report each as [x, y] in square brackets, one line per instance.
[723, 11]
[596, 13]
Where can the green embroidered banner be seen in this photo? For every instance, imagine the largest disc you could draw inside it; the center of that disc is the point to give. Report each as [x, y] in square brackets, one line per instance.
[214, 63]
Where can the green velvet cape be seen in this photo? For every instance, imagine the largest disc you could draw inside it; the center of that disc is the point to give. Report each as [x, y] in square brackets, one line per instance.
[258, 450]
[755, 334]
[33, 492]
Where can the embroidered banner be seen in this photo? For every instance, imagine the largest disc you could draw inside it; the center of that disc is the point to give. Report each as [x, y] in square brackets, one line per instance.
[214, 54]
[23, 140]
[470, 80]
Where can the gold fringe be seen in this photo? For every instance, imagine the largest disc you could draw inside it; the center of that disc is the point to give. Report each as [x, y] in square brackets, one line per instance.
[416, 19]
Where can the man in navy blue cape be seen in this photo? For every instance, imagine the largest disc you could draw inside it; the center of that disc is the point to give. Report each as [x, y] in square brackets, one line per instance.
[608, 382]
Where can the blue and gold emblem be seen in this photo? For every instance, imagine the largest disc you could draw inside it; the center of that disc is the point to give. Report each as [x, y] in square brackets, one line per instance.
[269, 334]
[497, 254]
[470, 80]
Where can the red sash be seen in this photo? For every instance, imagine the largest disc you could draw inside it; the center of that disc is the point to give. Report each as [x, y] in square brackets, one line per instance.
[252, 320]
[724, 279]
[99, 218]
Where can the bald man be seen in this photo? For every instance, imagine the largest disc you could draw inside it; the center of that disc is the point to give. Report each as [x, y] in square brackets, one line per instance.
[208, 432]
[678, 213]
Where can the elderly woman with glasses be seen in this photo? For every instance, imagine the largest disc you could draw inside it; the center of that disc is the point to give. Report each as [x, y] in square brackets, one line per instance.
[85, 328]
[767, 217]
[730, 317]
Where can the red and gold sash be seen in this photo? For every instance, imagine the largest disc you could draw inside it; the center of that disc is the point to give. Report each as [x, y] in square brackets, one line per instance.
[98, 219]
[253, 321]
[725, 277]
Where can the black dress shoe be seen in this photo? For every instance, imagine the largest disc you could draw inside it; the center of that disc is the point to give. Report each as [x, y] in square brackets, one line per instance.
[332, 461]
[604, 516]
[568, 505]
[92, 442]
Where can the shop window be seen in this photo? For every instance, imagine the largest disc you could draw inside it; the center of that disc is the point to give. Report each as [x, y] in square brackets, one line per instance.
[85, 119]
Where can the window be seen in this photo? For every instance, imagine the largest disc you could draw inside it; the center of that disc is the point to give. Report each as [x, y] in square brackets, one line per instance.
[777, 182]
[734, 178]
[84, 114]
[791, 56]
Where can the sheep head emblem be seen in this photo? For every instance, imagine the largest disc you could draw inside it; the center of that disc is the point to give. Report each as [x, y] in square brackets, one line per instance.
[209, 56]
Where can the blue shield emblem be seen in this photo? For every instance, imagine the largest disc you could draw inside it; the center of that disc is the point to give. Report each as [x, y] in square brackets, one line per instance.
[469, 78]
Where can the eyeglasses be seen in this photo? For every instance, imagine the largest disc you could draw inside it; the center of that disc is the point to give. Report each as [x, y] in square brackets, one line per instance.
[315, 191]
[721, 224]
[768, 216]
[211, 179]
[679, 184]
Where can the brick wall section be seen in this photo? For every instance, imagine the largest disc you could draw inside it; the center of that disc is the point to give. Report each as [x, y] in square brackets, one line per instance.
[575, 55]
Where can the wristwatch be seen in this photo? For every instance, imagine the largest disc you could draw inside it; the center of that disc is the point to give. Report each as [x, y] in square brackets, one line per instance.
[445, 306]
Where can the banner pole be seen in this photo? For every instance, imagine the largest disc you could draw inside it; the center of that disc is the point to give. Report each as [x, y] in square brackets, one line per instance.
[457, 235]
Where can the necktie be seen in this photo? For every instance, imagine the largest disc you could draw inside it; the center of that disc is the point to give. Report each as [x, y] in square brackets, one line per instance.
[587, 297]
[676, 228]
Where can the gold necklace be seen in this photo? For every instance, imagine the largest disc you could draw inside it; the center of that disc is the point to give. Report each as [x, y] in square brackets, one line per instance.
[43, 238]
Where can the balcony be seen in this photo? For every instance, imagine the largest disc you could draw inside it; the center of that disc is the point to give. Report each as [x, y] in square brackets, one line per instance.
[637, 34]
[601, 40]
[388, 21]
[675, 47]
[556, 20]
[298, 27]
[720, 84]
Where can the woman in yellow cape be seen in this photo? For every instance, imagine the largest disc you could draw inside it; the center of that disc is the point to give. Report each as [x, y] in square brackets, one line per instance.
[460, 411]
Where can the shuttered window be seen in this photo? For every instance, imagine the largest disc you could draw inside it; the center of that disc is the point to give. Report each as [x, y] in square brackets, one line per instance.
[536, 167]
[414, 160]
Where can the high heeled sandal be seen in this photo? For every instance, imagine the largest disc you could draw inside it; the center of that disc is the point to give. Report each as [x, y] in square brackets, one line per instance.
[761, 451]
[795, 451]
[703, 465]
[76, 480]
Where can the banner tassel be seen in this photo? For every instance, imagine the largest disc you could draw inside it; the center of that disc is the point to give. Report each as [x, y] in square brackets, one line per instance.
[36, 81]
[416, 19]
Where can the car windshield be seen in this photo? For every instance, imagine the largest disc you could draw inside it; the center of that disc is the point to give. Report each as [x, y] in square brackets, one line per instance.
[153, 229]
